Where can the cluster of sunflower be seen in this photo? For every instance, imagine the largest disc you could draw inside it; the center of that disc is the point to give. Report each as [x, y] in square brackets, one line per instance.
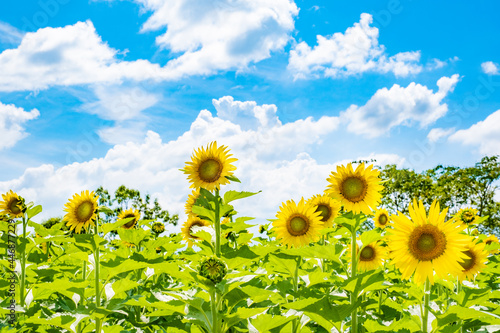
[419, 245]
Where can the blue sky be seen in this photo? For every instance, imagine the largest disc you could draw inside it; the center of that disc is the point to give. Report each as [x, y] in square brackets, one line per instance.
[121, 92]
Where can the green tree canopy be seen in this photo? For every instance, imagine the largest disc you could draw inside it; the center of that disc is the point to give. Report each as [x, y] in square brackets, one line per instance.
[453, 187]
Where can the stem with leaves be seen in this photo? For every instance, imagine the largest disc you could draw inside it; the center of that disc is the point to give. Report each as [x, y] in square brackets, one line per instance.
[354, 265]
[295, 281]
[214, 310]
[427, 298]
[217, 224]
[97, 279]
[23, 263]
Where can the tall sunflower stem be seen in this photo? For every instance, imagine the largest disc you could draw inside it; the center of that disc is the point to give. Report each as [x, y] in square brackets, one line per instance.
[214, 309]
[354, 266]
[97, 269]
[427, 299]
[459, 289]
[295, 280]
[23, 265]
[217, 224]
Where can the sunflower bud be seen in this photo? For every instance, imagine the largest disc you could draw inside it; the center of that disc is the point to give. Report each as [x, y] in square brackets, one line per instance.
[158, 228]
[213, 269]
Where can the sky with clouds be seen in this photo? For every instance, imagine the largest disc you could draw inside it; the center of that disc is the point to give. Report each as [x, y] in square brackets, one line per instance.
[110, 92]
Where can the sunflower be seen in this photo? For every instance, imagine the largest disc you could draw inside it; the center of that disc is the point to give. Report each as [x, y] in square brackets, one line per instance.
[191, 201]
[357, 190]
[297, 224]
[12, 205]
[490, 240]
[475, 261]
[381, 218]
[467, 216]
[128, 244]
[212, 268]
[209, 167]
[81, 211]
[370, 257]
[129, 213]
[426, 244]
[192, 221]
[328, 208]
[158, 228]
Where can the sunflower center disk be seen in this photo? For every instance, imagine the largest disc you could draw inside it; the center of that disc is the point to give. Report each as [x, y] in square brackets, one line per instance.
[468, 217]
[427, 242]
[210, 170]
[84, 211]
[354, 189]
[14, 206]
[367, 253]
[298, 226]
[382, 219]
[468, 263]
[325, 212]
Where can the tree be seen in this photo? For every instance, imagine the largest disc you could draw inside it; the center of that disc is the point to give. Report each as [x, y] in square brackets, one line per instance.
[125, 198]
[452, 186]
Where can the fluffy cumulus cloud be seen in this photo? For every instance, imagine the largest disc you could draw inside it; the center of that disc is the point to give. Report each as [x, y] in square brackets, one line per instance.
[353, 52]
[219, 35]
[12, 120]
[490, 68]
[270, 156]
[484, 134]
[387, 108]
[438, 133]
[70, 55]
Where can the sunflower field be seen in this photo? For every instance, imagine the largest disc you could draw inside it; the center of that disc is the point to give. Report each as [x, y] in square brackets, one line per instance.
[315, 267]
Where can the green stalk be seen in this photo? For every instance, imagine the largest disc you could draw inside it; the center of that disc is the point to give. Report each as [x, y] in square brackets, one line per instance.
[295, 280]
[427, 298]
[354, 296]
[217, 224]
[459, 289]
[379, 302]
[213, 305]
[23, 265]
[97, 269]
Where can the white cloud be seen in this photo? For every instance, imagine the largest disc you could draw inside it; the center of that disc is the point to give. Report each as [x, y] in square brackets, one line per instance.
[485, 134]
[9, 34]
[123, 132]
[436, 134]
[354, 52]
[70, 55]
[219, 35]
[490, 68]
[12, 120]
[120, 103]
[396, 106]
[271, 157]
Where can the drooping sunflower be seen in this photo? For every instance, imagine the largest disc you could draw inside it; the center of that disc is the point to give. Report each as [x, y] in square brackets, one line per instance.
[467, 216]
[191, 201]
[357, 190]
[129, 213]
[12, 205]
[370, 257]
[209, 167]
[381, 218]
[297, 224]
[158, 228]
[490, 240]
[328, 208]
[475, 261]
[186, 230]
[81, 211]
[426, 244]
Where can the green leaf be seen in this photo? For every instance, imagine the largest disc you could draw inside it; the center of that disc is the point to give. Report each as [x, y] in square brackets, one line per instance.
[241, 314]
[328, 252]
[204, 212]
[371, 280]
[33, 211]
[233, 179]
[235, 195]
[370, 236]
[266, 322]
[107, 227]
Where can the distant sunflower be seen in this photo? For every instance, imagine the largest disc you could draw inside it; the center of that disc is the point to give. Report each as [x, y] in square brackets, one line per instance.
[128, 244]
[129, 213]
[328, 208]
[81, 211]
[371, 257]
[12, 205]
[475, 261]
[158, 228]
[191, 201]
[186, 230]
[381, 218]
[297, 224]
[209, 167]
[467, 216]
[426, 244]
[490, 240]
[357, 190]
